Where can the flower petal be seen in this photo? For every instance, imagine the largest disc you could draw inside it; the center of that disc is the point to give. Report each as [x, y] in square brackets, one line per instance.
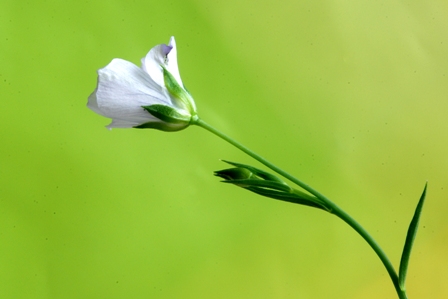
[162, 55]
[123, 88]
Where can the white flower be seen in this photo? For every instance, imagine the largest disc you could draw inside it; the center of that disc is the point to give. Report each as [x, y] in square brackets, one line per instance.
[152, 96]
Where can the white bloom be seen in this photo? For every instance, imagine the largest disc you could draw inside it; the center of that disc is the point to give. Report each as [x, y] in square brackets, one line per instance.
[152, 96]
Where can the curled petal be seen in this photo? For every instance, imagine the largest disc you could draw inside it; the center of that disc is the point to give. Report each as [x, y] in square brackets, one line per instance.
[165, 55]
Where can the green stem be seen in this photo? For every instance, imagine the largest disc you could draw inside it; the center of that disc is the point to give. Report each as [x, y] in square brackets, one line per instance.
[334, 209]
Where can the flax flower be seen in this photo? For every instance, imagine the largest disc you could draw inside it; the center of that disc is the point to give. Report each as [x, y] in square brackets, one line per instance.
[150, 96]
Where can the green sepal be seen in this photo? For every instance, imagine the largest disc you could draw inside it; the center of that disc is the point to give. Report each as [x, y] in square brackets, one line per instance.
[412, 232]
[168, 114]
[182, 96]
[171, 82]
[234, 174]
[160, 126]
[258, 172]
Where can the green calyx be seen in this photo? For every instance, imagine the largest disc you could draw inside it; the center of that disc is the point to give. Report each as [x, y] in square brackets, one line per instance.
[168, 114]
[172, 119]
[176, 117]
[232, 174]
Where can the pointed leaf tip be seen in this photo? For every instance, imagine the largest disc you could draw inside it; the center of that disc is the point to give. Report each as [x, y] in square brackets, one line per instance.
[412, 232]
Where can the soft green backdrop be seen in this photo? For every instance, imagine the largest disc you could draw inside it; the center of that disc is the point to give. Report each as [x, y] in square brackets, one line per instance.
[350, 96]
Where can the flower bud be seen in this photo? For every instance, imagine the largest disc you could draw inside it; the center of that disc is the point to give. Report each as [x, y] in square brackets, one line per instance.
[266, 184]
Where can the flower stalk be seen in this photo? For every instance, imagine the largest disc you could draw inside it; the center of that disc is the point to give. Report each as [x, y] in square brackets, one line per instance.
[331, 207]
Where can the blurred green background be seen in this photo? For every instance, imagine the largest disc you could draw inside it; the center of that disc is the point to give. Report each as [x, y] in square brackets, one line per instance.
[350, 96]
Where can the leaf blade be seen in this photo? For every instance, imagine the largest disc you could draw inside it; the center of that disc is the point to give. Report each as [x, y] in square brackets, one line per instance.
[410, 237]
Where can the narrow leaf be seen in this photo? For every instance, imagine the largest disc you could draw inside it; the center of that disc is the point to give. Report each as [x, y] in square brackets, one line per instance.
[412, 232]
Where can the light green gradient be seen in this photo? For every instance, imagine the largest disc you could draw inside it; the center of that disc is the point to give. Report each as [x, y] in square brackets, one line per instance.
[349, 97]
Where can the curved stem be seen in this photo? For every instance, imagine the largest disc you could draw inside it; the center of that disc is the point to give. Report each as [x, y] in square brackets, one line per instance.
[334, 209]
